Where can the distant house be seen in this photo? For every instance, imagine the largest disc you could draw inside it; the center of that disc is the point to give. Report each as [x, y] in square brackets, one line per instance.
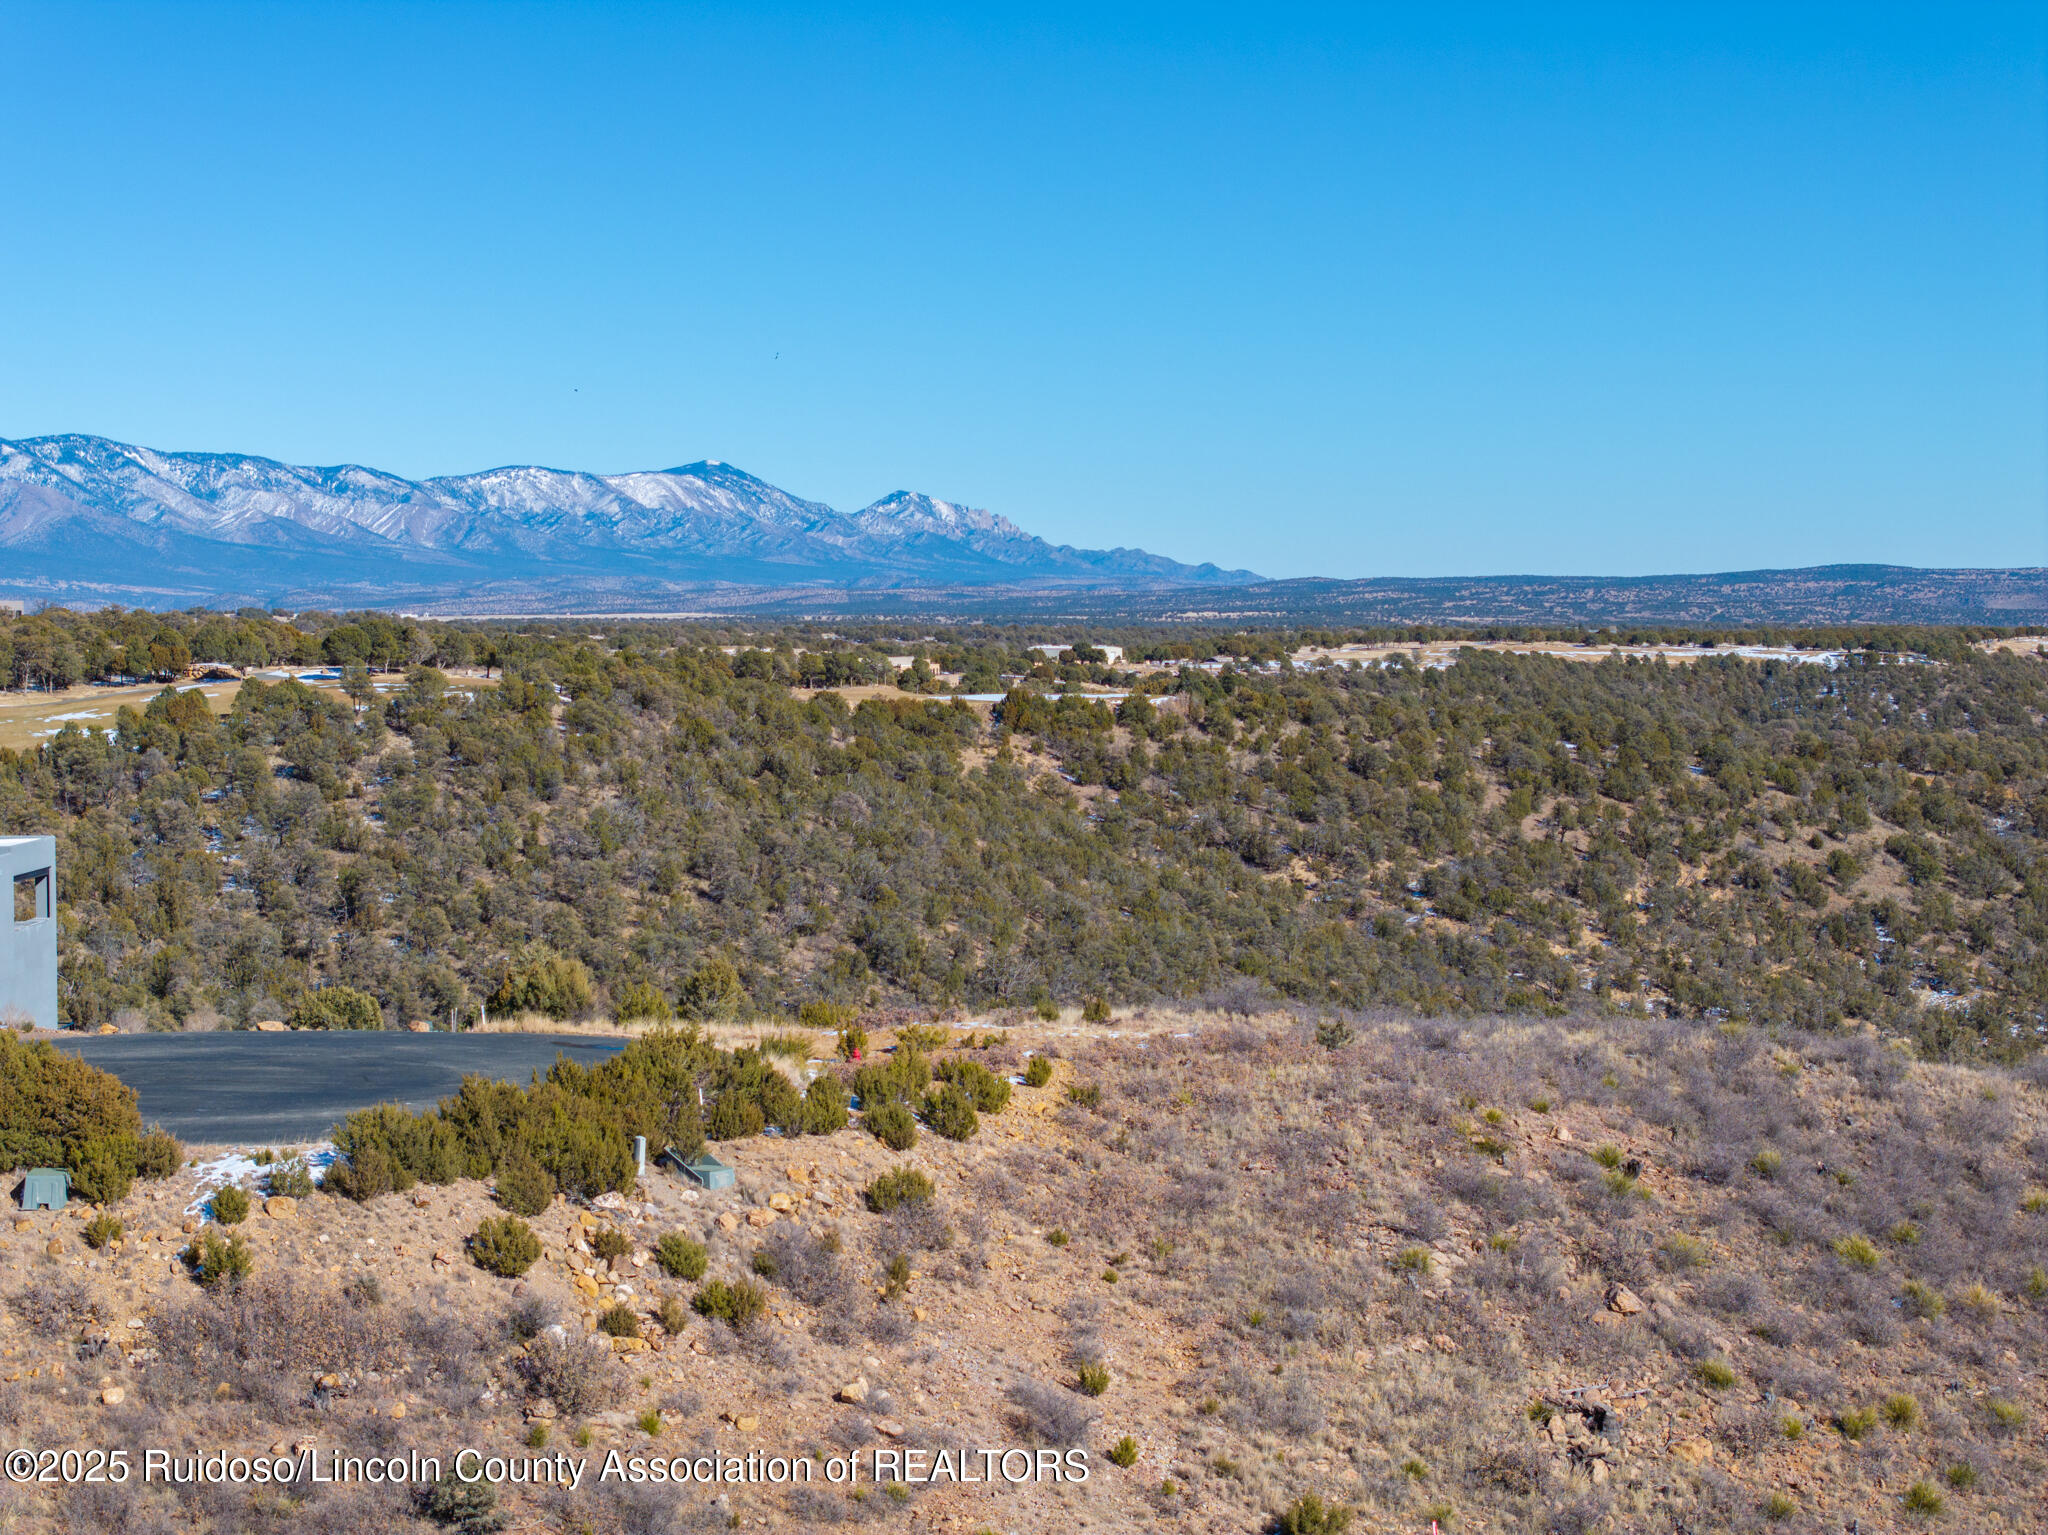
[1111, 654]
[12, 605]
[28, 930]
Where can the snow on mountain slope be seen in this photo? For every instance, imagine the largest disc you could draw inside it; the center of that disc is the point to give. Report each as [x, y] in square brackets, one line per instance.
[698, 523]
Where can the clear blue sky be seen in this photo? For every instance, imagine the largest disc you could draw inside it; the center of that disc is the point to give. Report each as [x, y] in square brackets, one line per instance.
[1372, 290]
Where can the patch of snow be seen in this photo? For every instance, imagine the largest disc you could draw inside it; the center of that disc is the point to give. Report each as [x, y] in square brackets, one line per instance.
[241, 1168]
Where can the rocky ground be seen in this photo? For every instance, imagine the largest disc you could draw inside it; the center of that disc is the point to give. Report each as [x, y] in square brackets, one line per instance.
[1504, 1277]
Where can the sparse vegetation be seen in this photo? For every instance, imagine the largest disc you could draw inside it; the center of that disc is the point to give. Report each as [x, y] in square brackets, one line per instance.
[220, 1261]
[230, 1206]
[291, 1179]
[504, 1245]
[524, 1187]
[892, 1124]
[949, 1111]
[1921, 1498]
[1858, 1251]
[619, 1321]
[899, 1186]
[1310, 1515]
[739, 1304]
[681, 1257]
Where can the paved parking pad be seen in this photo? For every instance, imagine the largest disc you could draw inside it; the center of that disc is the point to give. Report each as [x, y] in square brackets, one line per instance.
[243, 1087]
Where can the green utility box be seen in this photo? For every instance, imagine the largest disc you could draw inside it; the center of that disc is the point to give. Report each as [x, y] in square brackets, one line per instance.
[703, 1169]
[46, 1188]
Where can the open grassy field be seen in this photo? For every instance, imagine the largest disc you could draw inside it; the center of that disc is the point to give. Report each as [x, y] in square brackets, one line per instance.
[30, 718]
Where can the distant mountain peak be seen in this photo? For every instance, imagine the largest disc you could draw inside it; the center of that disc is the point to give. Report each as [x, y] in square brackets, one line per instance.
[83, 514]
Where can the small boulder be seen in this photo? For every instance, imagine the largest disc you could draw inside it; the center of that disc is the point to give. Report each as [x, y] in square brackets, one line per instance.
[113, 1396]
[855, 1390]
[1624, 1301]
[397, 1409]
[888, 1428]
[270, 1026]
[540, 1410]
[280, 1207]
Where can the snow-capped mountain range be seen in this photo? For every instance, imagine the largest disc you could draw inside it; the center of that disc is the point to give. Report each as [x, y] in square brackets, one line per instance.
[81, 516]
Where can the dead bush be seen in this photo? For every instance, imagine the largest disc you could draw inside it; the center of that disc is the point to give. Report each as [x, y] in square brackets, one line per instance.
[1047, 1415]
[569, 1371]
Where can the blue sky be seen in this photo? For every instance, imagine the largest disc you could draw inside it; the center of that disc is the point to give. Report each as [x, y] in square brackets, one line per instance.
[1371, 290]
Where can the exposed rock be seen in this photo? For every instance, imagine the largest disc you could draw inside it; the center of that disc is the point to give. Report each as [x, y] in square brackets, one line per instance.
[113, 1396]
[760, 1217]
[1624, 1301]
[888, 1428]
[540, 1410]
[855, 1390]
[727, 1221]
[1694, 1452]
[270, 1026]
[280, 1206]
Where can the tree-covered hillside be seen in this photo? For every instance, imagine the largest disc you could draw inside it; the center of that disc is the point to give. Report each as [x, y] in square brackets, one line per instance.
[665, 817]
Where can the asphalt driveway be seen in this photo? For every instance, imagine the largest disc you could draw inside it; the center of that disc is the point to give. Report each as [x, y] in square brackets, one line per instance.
[244, 1087]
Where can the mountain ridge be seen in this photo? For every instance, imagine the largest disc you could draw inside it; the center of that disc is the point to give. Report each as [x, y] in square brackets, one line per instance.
[94, 513]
